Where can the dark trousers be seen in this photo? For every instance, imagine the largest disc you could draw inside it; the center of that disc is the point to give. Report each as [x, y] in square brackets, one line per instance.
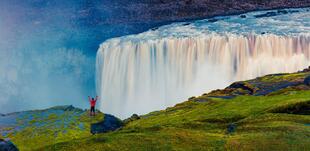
[92, 109]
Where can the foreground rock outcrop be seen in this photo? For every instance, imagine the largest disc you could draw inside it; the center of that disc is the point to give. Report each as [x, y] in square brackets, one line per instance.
[109, 123]
[307, 81]
[6, 145]
[133, 117]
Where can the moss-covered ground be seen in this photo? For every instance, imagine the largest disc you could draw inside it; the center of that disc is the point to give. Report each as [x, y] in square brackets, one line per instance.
[203, 126]
[277, 120]
[39, 128]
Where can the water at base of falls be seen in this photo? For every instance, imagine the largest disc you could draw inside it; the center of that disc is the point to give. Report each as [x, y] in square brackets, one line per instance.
[157, 69]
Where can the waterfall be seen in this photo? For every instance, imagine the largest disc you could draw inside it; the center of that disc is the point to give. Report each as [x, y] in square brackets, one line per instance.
[157, 69]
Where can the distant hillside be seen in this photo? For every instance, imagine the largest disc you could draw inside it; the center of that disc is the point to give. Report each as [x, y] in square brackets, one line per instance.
[267, 113]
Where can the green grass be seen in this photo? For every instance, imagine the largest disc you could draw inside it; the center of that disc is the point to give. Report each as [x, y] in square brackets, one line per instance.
[203, 126]
[284, 77]
[262, 123]
[34, 137]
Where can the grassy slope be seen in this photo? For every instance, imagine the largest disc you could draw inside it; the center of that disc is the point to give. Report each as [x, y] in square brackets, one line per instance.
[202, 124]
[50, 126]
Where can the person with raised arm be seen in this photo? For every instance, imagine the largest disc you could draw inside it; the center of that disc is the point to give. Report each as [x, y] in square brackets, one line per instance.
[92, 102]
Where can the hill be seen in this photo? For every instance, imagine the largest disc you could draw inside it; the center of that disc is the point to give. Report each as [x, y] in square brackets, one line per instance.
[29, 130]
[267, 113]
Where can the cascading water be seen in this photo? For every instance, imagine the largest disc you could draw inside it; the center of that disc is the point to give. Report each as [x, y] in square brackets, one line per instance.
[162, 67]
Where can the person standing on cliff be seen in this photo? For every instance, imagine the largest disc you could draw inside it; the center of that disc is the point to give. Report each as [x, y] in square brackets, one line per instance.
[92, 102]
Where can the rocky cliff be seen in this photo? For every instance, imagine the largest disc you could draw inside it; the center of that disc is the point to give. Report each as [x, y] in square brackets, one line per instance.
[143, 11]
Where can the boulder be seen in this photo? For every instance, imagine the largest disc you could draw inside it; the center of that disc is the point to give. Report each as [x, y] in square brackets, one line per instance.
[268, 14]
[306, 70]
[212, 20]
[243, 16]
[110, 123]
[132, 118]
[231, 128]
[6, 145]
[307, 81]
[244, 86]
[191, 98]
[66, 108]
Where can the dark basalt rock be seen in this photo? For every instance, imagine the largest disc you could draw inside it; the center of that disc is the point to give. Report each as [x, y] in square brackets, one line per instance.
[69, 108]
[268, 14]
[199, 100]
[185, 24]
[293, 11]
[307, 81]
[110, 123]
[243, 86]
[279, 12]
[306, 70]
[267, 89]
[302, 108]
[155, 28]
[132, 118]
[282, 11]
[191, 98]
[212, 20]
[223, 97]
[242, 16]
[66, 108]
[231, 128]
[6, 145]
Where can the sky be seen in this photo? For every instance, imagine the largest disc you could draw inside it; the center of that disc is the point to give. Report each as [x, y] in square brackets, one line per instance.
[48, 50]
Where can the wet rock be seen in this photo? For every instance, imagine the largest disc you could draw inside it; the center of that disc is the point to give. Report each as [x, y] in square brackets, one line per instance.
[69, 108]
[306, 70]
[224, 97]
[268, 14]
[307, 81]
[301, 108]
[293, 11]
[132, 118]
[267, 88]
[155, 28]
[282, 11]
[200, 100]
[242, 16]
[65, 108]
[110, 123]
[212, 20]
[135, 117]
[6, 145]
[243, 86]
[191, 98]
[278, 12]
[231, 128]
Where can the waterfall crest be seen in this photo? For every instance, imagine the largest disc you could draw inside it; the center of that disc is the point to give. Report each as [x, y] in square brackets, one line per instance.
[138, 77]
[159, 68]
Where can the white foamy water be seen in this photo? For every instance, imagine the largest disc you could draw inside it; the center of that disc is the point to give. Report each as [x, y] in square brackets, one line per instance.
[159, 68]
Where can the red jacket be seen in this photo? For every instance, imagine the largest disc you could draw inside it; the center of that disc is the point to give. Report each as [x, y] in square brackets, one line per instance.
[92, 102]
